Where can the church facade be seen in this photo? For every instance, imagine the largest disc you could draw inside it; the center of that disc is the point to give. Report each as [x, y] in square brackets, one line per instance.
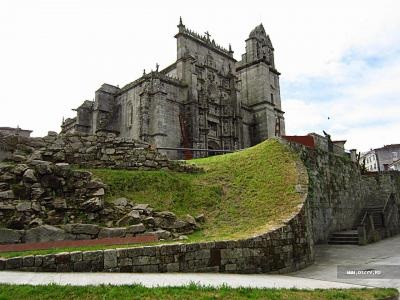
[204, 100]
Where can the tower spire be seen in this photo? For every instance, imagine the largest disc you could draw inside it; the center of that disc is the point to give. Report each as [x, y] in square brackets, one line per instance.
[180, 25]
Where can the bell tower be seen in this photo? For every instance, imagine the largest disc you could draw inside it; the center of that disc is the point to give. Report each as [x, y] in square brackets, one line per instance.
[259, 87]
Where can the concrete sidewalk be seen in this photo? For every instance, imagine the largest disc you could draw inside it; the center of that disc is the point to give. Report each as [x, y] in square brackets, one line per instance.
[170, 279]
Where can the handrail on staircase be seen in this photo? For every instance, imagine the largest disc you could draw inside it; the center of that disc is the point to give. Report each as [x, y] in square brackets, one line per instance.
[386, 213]
[389, 199]
[364, 217]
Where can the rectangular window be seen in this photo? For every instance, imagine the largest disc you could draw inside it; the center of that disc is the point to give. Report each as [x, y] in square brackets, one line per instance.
[272, 98]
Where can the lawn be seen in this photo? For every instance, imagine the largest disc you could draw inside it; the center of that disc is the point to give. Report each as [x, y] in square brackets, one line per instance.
[241, 194]
[189, 292]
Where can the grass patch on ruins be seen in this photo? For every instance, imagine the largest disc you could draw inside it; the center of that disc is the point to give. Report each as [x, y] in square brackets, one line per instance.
[188, 292]
[240, 194]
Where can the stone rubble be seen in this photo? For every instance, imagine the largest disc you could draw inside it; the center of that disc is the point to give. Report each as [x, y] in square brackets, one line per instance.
[46, 201]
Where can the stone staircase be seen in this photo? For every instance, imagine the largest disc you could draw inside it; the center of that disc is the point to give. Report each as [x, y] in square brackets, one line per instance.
[347, 237]
[350, 237]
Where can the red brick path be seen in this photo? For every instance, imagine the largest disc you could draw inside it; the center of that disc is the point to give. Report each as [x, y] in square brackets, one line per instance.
[78, 243]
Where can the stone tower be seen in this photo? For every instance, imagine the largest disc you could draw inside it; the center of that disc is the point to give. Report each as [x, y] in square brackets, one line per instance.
[259, 88]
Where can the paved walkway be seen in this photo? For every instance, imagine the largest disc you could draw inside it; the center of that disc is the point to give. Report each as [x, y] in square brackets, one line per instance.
[170, 279]
[320, 275]
[385, 252]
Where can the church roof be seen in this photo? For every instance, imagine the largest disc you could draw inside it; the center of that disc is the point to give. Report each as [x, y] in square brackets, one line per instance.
[259, 33]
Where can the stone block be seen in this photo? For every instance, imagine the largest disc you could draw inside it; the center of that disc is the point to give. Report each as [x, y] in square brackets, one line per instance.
[9, 194]
[9, 236]
[231, 253]
[98, 193]
[63, 258]
[23, 206]
[13, 263]
[60, 204]
[93, 204]
[121, 202]
[64, 268]
[29, 176]
[150, 269]
[89, 229]
[49, 262]
[140, 207]
[122, 262]
[92, 255]
[76, 256]
[173, 267]
[82, 266]
[38, 260]
[46, 233]
[2, 263]
[112, 232]
[28, 261]
[230, 267]
[162, 234]
[110, 259]
[133, 217]
[134, 229]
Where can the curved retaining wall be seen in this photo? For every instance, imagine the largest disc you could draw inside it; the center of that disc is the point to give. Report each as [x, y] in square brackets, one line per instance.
[281, 250]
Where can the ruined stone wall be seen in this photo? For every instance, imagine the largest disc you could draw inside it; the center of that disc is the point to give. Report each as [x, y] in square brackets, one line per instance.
[338, 191]
[35, 194]
[91, 151]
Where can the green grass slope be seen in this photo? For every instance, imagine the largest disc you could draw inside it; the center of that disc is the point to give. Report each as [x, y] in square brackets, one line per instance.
[241, 194]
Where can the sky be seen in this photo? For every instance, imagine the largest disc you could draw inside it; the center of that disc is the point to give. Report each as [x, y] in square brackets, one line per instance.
[339, 60]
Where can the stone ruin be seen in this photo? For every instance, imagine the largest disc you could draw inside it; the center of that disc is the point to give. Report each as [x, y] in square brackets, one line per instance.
[43, 198]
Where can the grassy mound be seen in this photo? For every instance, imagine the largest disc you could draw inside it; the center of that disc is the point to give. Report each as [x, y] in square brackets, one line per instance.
[241, 194]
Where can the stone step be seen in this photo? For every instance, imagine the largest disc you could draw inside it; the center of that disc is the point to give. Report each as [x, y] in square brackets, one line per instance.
[345, 232]
[349, 237]
[343, 242]
[346, 237]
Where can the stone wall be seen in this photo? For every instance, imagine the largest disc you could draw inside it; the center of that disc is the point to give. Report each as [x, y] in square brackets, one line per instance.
[91, 151]
[338, 191]
[286, 248]
[282, 250]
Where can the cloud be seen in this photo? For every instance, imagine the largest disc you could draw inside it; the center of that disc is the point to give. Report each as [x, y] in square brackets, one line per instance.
[362, 100]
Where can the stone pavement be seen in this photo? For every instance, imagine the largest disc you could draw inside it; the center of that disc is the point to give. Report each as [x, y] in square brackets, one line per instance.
[385, 252]
[320, 275]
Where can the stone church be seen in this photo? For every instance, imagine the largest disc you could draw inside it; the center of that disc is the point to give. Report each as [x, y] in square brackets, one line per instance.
[206, 99]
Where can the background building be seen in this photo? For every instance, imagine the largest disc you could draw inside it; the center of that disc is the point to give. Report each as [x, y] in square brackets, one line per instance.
[381, 159]
[15, 131]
